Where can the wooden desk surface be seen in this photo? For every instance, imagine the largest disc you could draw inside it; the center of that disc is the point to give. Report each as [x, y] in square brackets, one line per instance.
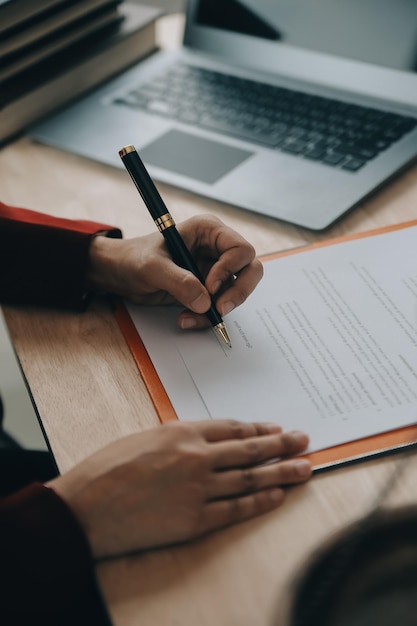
[88, 392]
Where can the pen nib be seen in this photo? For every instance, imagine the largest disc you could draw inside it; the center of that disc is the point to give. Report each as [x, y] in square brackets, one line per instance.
[222, 333]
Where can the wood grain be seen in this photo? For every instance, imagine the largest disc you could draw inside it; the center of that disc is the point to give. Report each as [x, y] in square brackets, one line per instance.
[87, 391]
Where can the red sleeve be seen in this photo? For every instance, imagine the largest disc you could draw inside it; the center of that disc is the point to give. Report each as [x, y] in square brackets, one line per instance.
[47, 568]
[44, 259]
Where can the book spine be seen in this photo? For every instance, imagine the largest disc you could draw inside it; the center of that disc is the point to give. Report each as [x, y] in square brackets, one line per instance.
[17, 115]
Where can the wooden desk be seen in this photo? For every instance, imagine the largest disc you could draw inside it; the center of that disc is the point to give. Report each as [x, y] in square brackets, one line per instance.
[88, 392]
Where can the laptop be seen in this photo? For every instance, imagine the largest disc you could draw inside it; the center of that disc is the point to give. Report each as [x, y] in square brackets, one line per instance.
[294, 109]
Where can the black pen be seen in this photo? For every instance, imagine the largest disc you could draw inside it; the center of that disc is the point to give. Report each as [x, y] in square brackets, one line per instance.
[166, 225]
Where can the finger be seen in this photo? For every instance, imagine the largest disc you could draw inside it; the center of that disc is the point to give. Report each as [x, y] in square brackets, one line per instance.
[209, 236]
[230, 299]
[235, 263]
[256, 450]
[240, 288]
[189, 320]
[220, 430]
[230, 483]
[183, 286]
[230, 252]
[222, 513]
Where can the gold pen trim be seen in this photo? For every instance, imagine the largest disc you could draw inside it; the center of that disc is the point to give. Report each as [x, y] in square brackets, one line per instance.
[126, 150]
[164, 222]
[221, 332]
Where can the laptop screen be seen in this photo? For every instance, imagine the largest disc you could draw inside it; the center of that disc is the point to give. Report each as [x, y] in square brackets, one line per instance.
[379, 32]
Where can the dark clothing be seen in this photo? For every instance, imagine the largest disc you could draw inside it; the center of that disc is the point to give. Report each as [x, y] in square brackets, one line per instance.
[46, 568]
[44, 259]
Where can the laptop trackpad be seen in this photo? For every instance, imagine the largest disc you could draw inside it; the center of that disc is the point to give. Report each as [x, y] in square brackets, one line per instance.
[202, 159]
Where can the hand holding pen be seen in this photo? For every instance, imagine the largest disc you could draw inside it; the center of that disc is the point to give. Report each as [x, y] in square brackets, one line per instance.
[229, 253]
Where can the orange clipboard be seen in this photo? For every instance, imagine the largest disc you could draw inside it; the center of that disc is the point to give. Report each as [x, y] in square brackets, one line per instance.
[367, 448]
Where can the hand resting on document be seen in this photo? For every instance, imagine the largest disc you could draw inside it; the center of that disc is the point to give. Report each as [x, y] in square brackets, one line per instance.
[179, 481]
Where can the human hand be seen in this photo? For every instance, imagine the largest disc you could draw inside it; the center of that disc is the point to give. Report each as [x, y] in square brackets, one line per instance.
[179, 481]
[142, 271]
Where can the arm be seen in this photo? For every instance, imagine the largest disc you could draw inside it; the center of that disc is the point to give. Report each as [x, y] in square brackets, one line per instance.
[46, 566]
[46, 563]
[44, 259]
[53, 261]
[169, 484]
[164, 486]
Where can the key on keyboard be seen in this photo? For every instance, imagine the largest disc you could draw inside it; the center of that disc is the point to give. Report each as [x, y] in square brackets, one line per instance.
[333, 132]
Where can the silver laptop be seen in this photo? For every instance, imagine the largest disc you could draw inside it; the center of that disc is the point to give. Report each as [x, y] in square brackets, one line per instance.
[295, 109]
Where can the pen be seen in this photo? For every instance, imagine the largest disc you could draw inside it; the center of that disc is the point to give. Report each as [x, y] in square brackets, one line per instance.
[166, 225]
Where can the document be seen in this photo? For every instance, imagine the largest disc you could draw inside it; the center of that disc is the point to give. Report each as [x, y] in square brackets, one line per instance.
[326, 344]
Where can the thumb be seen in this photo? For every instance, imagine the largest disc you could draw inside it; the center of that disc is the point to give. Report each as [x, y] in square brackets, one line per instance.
[185, 288]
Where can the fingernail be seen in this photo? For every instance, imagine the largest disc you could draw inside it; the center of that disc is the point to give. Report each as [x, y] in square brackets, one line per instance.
[297, 436]
[302, 468]
[227, 308]
[188, 322]
[201, 303]
[217, 286]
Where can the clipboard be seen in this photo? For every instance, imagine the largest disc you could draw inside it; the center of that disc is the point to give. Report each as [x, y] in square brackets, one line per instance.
[368, 448]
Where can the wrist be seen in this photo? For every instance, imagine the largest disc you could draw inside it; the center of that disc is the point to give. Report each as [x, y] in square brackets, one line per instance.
[101, 263]
[71, 488]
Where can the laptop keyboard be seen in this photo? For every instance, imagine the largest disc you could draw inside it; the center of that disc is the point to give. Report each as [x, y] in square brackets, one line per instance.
[322, 129]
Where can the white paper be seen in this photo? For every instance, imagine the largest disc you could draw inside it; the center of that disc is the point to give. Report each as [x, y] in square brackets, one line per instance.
[327, 344]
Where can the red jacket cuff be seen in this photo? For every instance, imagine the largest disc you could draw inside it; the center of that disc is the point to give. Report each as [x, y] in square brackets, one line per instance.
[44, 552]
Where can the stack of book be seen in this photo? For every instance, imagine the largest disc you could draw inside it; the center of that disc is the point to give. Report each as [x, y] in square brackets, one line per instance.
[53, 51]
